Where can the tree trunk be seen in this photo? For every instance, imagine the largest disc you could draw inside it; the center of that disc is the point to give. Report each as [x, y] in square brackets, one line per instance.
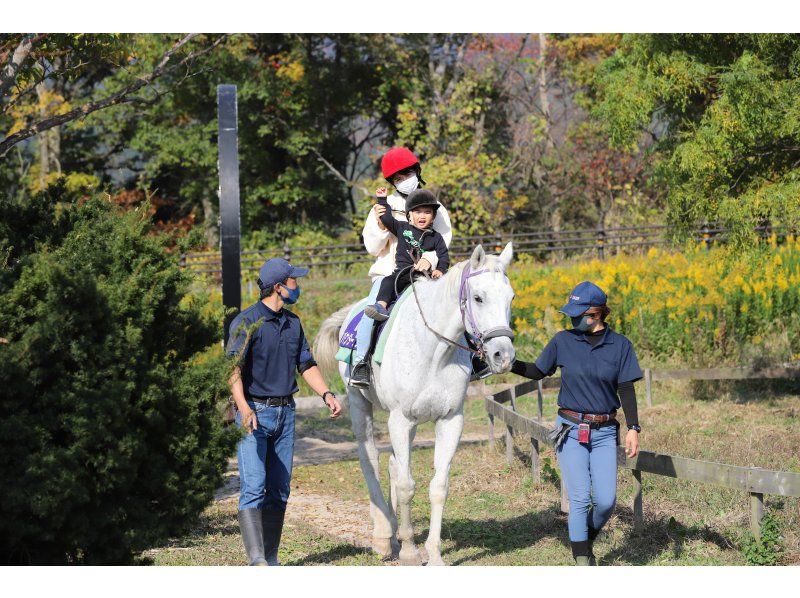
[210, 221]
[544, 100]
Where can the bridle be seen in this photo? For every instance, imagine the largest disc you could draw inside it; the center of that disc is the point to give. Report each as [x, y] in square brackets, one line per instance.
[466, 315]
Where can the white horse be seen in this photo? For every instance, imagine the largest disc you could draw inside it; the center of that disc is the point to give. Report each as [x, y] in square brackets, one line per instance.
[424, 378]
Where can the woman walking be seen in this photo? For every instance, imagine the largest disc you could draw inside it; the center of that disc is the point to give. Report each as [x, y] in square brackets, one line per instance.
[598, 369]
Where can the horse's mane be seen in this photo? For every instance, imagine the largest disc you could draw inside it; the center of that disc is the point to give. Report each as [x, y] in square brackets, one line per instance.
[453, 276]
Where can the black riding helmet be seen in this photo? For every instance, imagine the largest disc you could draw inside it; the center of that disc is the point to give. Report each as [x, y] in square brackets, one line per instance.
[419, 198]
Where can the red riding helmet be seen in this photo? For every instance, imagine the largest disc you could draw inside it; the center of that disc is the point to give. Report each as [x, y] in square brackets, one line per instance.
[397, 159]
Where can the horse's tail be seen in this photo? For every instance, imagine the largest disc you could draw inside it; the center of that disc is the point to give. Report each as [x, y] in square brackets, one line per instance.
[326, 343]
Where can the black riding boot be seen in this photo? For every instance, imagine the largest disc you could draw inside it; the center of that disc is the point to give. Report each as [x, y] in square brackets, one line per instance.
[580, 551]
[592, 535]
[272, 521]
[250, 523]
[361, 373]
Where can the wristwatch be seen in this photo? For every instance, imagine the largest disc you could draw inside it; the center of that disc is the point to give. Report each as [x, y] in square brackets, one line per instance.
[327, 392]
[635, 427]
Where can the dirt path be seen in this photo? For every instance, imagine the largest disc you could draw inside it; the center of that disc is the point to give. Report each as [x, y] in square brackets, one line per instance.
[347, 521]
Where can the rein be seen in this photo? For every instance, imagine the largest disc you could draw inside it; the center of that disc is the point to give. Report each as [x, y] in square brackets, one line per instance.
[466, 312]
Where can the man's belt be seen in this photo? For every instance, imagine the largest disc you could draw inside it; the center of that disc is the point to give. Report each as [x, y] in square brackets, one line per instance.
[271, 401]
[597, 420]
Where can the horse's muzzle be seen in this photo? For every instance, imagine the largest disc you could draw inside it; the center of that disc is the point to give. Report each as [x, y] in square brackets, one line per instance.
[499, 354]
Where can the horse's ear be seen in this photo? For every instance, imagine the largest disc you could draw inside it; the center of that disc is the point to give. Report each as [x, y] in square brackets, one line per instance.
[478, 258]
[506, 255]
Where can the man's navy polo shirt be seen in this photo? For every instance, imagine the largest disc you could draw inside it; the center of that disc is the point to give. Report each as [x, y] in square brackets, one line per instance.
[277, 348]
[590, 375]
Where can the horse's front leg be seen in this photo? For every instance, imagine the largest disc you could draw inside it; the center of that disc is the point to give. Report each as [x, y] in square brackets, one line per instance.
[448, 433]
[401, 432]
[383, 518]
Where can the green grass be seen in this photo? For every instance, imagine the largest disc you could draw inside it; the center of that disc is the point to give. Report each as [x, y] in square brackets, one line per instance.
[216, 541]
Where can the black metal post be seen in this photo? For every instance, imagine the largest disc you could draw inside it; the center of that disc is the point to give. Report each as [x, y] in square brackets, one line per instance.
[228, 163]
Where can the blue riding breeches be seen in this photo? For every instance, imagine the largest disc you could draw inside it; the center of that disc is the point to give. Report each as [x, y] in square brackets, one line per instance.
[590, 474]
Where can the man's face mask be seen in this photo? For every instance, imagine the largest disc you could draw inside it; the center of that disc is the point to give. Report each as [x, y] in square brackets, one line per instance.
[581, 323]
[293, 295]
[407, 186]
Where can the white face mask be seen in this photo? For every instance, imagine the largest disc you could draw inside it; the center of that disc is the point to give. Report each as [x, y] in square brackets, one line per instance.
[407, 186]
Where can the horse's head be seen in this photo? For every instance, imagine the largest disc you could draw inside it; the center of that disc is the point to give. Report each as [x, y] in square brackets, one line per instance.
[486, 296]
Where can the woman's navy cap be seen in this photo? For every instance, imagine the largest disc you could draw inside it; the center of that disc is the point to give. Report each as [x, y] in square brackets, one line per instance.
[278, 270]
[585, 295]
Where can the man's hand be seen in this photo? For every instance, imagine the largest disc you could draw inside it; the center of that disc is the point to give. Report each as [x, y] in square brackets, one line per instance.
[249, 420]
[422, 265]
[631, 443]
[436, 274]
[333, 404]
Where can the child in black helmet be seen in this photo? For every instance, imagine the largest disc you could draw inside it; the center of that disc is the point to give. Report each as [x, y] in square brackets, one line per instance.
[413, 238]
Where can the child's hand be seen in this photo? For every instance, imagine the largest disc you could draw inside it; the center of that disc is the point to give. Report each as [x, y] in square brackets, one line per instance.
[436, 274]
[381, 192]
[422, 265]
[379, 211]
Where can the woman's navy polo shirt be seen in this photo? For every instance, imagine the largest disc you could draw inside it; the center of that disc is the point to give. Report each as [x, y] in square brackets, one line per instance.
[590, 375]
[277, 348]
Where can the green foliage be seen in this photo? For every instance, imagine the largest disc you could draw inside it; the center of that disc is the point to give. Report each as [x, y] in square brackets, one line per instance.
[724, 112]
[767, 549]
[110, 430]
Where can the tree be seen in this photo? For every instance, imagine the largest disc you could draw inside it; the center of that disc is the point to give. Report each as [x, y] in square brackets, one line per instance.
[722, 116]
[111, 437]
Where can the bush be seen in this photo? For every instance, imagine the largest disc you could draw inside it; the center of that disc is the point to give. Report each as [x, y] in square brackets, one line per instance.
[767, 549]
[110, 432]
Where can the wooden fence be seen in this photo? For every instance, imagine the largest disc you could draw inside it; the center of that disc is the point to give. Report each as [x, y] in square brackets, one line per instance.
[540, 244]
[754, 480]
[742, 373]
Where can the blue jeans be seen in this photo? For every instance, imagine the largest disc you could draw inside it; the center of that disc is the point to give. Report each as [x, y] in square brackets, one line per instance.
[265, 458]
[590, 473]
[364, 330]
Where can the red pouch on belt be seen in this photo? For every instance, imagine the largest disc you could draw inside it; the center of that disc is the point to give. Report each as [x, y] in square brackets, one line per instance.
[583, 433]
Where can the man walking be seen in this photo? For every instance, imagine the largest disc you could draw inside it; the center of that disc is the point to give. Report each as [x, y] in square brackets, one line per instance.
[270, 346]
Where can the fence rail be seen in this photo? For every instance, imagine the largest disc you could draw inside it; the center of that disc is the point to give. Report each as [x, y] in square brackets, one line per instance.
[754, 480]
[540, 244]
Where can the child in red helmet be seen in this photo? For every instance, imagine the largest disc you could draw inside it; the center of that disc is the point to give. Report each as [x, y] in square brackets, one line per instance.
[413, 238]
[401, 168]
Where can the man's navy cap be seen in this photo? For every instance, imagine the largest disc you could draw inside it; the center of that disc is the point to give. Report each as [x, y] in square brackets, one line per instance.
[585, 295]
[278, 270]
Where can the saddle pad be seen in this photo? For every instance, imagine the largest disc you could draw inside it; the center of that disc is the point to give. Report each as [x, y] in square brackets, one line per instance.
[347, 340]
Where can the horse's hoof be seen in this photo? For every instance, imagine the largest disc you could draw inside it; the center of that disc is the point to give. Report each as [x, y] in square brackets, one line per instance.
[383, 547]
[410, 556]
[434, 558]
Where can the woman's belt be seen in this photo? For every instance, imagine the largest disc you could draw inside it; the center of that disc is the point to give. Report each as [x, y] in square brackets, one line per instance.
[595, 420]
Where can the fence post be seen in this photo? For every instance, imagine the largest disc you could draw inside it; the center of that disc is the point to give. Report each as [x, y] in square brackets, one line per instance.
[540, 398]
[564, 495]
[182, 262]
[638, 512]
[287, 252]
[756, 513]
[491, 430]
[510, 431]
[601, 241]
[706, 236]
[648, 386]
[535, 461]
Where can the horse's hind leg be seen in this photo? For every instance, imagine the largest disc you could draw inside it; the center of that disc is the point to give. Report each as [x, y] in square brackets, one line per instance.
[402, 432]
[383, 518]
[448, 433]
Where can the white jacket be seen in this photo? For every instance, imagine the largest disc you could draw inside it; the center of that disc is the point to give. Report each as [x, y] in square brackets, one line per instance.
[383, 244]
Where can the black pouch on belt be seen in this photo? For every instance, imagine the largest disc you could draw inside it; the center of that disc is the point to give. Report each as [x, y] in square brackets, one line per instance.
[559, 434]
